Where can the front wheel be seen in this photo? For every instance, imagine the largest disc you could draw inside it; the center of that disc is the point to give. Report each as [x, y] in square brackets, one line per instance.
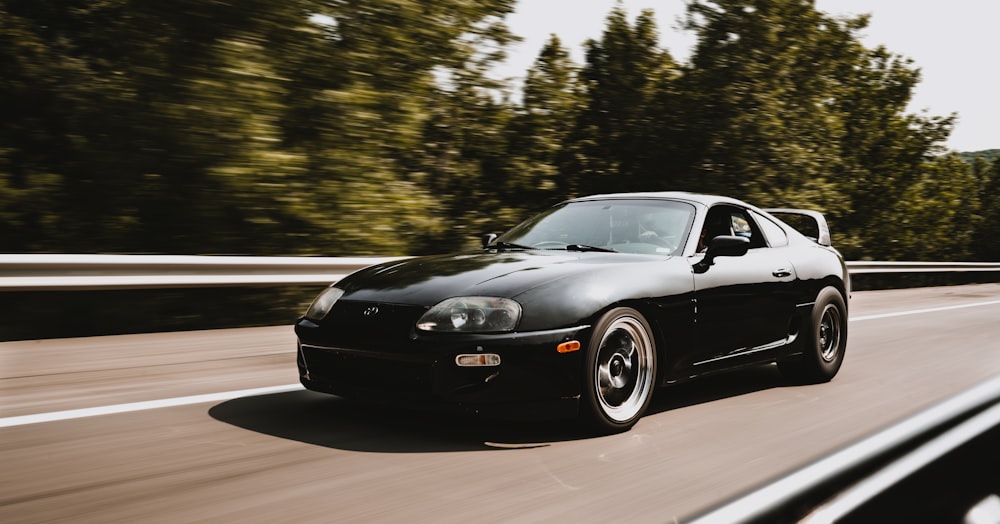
[620, 371]
[824, 341]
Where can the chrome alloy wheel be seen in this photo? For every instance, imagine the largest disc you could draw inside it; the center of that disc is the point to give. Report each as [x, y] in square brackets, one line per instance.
[829, 333]
[623, 376]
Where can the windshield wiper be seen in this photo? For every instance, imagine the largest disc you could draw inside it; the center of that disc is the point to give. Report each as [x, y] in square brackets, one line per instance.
[507, 245]
[585, 247]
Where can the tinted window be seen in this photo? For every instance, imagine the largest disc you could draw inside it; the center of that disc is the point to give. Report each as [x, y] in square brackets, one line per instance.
[730, 220]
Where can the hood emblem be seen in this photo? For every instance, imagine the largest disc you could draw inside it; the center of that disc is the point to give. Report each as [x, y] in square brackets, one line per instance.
[370, 311]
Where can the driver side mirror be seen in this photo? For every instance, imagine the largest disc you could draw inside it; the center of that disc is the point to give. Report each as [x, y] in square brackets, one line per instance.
[488, 239]
[723, 246]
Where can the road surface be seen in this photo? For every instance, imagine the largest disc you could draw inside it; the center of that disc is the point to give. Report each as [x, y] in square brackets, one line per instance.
[81, 441]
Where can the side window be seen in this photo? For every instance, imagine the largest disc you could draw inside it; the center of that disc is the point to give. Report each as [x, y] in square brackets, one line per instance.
[776, 237]
[745, 226]
[729, 220]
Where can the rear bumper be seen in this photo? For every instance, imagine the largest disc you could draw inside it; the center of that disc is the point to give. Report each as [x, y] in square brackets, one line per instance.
[532, 381]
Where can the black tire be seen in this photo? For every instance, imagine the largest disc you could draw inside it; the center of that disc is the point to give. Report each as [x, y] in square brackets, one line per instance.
[620, 371]
[824, 341]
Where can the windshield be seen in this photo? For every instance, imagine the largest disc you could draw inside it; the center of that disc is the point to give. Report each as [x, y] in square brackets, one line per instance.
[628, 226]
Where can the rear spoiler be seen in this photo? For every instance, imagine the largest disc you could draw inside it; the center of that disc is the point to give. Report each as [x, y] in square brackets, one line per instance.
[818, 230]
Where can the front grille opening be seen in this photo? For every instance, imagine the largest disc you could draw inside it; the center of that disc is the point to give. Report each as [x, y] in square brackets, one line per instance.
[368, 372]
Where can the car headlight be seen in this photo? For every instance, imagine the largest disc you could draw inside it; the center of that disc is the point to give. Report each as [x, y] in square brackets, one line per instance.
[322, 304]
[472, 315]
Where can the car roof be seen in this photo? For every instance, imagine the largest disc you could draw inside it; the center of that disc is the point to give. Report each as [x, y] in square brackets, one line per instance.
[699, 198]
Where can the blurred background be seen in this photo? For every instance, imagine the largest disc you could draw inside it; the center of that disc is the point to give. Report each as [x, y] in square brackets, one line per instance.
[346, 128]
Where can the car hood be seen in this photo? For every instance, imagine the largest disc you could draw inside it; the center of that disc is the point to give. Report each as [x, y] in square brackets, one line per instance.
[426, 281]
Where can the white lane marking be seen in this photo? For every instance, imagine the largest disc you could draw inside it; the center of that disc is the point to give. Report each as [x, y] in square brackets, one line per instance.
[142, 406]
[229, 395]
[919, 311]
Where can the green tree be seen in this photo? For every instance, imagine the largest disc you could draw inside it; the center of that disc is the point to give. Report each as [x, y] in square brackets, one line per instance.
[209, 127]
[552, 101]
[347, 128]
[985, 245]
[132, 107]
[884, 150]
[30, 109]
[461, 158]
[380, 117]
[611, 144]
[760, 99]
[784, 106]
[935, 217]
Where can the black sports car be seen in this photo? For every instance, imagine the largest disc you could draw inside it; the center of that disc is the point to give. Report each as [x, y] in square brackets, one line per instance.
[584, 309]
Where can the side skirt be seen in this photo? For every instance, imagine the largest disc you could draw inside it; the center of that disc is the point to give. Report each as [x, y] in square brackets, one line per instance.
[785, 342]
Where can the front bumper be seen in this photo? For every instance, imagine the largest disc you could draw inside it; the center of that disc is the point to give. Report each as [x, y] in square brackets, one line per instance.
[533, 380]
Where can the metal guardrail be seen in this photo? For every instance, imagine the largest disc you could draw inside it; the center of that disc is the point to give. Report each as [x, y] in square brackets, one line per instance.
[859, 268]
[840, 483]
[92, 272]
[107, 272]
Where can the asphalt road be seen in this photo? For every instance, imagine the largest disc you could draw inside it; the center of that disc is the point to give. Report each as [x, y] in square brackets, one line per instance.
[297, 456]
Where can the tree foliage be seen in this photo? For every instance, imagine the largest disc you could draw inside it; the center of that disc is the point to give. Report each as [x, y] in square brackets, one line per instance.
[762, 95]
[349, 128]
[553, 99]
[985, 245]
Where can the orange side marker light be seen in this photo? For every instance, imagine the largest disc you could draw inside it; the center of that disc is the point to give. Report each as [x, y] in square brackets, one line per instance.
[568, 347]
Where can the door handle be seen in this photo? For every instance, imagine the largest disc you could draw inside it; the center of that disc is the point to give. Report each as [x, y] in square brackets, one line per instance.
[781, 273]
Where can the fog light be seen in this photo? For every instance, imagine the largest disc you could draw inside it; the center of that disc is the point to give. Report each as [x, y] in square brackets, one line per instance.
[479, 359]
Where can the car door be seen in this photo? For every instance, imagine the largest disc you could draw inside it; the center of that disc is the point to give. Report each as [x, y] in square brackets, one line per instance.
[743, 303]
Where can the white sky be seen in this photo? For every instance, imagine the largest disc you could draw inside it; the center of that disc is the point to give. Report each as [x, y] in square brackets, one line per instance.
[954, 43]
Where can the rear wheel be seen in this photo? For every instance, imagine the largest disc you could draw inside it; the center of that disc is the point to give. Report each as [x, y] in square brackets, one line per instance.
[620, 371]
[824, 341]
